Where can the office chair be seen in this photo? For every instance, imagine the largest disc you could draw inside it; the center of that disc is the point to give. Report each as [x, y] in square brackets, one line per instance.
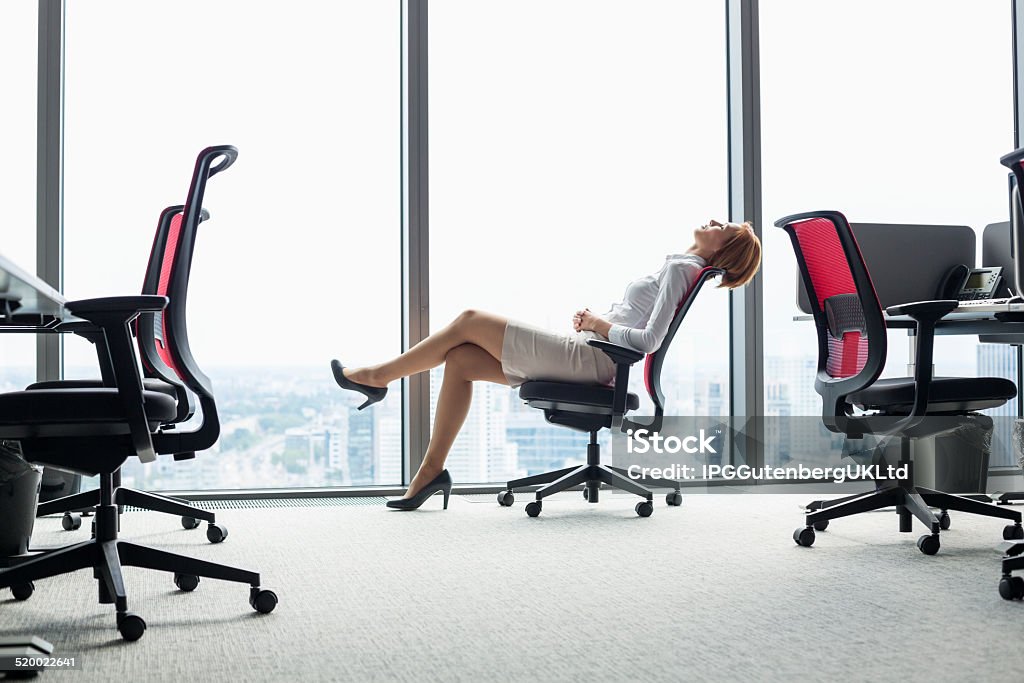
[156, 362]
[851, 355]
[589, 408]
[93, 431]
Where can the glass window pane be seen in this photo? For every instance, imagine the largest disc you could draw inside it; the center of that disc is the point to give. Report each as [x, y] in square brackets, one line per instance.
[18, 22]
[895, 121]
[579, 144]
[300, 261]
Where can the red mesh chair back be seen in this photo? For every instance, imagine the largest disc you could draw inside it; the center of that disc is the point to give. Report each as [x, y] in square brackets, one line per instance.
[847, 315]
[157, 281]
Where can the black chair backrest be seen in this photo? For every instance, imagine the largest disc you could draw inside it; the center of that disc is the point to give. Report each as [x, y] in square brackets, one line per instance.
[847, 315]
[656, 359]
[173, 280]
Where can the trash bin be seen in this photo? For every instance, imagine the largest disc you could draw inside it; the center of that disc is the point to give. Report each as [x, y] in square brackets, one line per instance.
[958, 462]
[19, 492]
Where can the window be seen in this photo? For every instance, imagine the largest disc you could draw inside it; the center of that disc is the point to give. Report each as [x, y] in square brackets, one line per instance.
[18, 45]
[300, 262]
[572, 146]
[894, 121]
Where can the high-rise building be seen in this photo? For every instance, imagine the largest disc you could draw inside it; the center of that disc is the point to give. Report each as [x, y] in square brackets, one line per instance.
[361, 444]
[792, 409]
[481, 451]
[335, 446]
[388, 469]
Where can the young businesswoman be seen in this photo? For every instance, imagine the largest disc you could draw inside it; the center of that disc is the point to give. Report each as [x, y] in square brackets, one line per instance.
[483, 346]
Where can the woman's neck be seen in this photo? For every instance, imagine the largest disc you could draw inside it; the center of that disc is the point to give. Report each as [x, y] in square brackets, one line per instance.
[704, 253]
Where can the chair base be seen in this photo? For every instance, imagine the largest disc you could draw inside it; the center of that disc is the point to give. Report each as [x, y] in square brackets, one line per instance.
[83, 503]
[910, 501]
[106, 555]
[591, 476]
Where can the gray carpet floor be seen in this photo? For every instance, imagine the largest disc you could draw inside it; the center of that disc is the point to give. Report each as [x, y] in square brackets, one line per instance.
[713, 590]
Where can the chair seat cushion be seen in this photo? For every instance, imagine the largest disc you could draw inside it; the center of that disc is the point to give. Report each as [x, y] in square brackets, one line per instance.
[148, 383]
[596, 395]
[945, 394]
[74, 406]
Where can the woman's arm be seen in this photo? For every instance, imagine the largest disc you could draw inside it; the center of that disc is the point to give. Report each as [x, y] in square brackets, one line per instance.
[647, 339]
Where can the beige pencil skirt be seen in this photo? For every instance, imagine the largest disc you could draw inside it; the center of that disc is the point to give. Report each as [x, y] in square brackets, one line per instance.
[532, 353]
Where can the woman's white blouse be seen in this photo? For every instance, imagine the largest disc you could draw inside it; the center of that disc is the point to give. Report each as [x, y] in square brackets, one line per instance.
[641, 320]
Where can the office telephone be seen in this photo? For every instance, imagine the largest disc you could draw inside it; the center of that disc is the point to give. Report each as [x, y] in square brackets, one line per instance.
[970, 284]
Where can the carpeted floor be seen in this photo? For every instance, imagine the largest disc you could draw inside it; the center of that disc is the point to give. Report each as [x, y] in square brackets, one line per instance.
[714, 590]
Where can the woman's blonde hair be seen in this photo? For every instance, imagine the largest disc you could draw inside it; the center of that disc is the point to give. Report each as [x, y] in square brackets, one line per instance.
[740, 257]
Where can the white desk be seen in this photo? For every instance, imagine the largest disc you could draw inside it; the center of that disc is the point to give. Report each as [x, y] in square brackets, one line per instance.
[27, 304]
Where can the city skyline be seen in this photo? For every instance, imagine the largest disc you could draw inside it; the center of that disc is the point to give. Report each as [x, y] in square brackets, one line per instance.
[292, 427]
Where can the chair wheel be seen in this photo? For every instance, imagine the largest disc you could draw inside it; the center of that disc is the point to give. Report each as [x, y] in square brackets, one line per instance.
[71, 521]
[804, 536]
[675, 499]
[533, 508]
[821, 525]
[189, 522]
[186, 582]
[928, 544]
[586, 493]
[944, 521]
[505, 499]
[23, 591]
[215, 533]
[131, 626]
[1013, 532]
[1011, 588]
[263, 601]
[644, 508]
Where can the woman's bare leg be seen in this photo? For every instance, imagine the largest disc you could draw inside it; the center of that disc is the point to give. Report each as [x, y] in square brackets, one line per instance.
[463, 364]
[484, 330]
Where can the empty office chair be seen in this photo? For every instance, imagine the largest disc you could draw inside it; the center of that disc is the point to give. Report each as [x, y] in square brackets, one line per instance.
[851, 355]
[589, 408]
[156, 361]
[94, 430]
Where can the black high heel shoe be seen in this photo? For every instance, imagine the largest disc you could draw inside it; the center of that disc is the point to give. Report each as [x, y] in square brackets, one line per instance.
[372, 394]
[442, 483]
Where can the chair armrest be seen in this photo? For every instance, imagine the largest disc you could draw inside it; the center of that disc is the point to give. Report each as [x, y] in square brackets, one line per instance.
[925, 314]
[623, 359]
[618, 354]
[113, 315]
[126, 305]
[924, 310]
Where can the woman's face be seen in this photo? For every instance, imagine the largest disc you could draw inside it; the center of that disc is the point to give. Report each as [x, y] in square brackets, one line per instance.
[715, 234]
